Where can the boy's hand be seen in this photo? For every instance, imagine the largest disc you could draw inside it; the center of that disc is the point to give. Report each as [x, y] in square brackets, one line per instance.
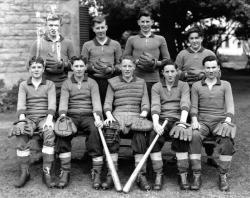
[158, 128]
[98, 122]
[144, 114]
[49, 123]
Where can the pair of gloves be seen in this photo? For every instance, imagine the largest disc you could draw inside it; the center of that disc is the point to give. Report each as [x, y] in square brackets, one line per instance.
[102, 68]
[188, 77]
[182, 131]
[56, 67]
[146, 62]
[65, 126]
[22, 127]
[225, 129]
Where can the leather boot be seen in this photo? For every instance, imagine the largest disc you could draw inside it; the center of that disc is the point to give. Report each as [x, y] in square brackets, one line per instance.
[47, 179]
[96, 177]
[142, 182]
[47, 164]
[108, 184]
[158, 181]
[212, 162]
[64, 179]
[223, 183]
[24, 176]
[183, 181]
[196, 182]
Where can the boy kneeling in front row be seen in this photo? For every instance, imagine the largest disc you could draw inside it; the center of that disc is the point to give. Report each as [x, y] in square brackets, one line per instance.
[36, 107]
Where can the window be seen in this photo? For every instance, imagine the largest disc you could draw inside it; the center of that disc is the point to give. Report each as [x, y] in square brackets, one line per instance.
[84, 25]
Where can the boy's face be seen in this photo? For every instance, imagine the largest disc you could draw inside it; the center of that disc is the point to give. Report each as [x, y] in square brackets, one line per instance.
[169, 72]
[100, 30]
[127, 68]
[145, 23]
[195, 40]
[79, 68]
[212, 69]
[53, 27]
[36, 70]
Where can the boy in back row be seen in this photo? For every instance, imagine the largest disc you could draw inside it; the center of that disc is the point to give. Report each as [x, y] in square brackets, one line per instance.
[55, 50]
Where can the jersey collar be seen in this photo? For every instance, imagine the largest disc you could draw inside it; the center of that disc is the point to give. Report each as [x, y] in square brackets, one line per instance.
[99, 44]
[73, 80]
[122, 80]
[203, 82]
[176, 81]
[29, 81]
[143, 36]
[191, 51]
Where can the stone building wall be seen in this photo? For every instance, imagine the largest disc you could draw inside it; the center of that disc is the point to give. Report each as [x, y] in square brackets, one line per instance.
[18, 24]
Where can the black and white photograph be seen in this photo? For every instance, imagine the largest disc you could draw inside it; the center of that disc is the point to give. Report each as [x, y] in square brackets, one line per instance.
[124, 98]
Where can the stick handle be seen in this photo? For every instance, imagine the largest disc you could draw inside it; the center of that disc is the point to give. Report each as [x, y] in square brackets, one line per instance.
[132, 178]
[111, 165]
[38, 41]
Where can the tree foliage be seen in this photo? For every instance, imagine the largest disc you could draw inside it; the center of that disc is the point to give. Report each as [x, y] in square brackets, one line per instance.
[122, 14]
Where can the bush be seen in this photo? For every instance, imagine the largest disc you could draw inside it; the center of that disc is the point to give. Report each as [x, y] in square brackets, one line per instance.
[8, 97]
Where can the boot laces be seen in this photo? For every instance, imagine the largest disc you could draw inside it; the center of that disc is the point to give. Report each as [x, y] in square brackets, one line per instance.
[142, 179]
[223, 178]
[93, 173]
[61, 173]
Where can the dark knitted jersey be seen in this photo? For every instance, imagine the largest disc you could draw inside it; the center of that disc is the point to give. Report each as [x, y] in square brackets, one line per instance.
[36, 103]
[214, 104]
[156, 45]
[111, 51]
[80, 98]
[47, 50]
[126, 96]
[190, 61]
[169, 104]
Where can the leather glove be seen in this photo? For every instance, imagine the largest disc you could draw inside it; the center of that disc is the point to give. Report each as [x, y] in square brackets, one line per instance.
[147, 62]
[102, 68]
[182, 131]
[22, 127]
[225, 129]
[54, 67]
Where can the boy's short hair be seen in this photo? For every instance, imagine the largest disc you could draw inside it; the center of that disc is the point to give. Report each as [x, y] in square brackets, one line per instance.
[77, 58]
[195, 29]
[98, 20]
[54, 17]
[209, 58]
[144, 13]
[167, 62]
[128, 57]
[35, 59]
